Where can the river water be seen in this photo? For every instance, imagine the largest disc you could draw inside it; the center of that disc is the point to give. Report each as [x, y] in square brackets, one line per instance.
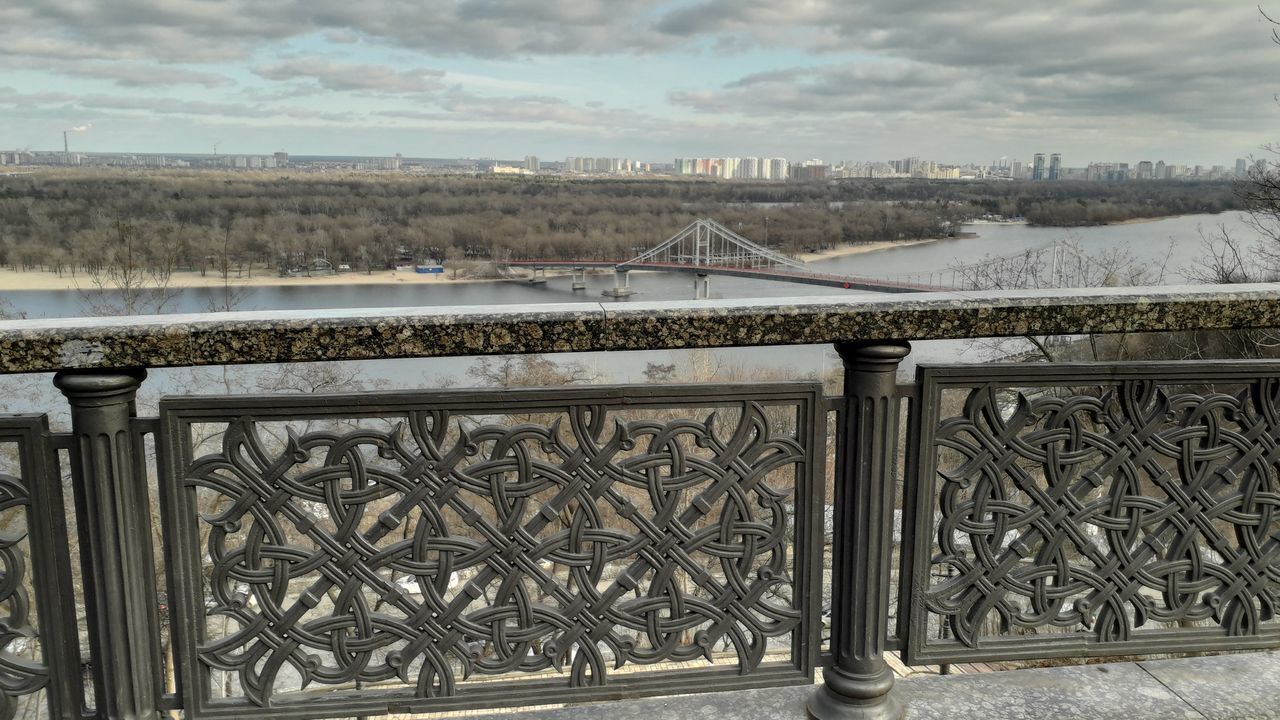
[1173, 243]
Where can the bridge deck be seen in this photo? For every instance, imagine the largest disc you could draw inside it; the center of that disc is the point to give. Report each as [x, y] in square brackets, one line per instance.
[779, 274]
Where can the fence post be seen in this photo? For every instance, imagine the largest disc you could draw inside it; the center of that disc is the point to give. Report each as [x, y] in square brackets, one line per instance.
[110, 481]
[859, 682]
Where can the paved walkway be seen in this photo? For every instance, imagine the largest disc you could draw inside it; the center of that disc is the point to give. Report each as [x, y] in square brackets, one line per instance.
[1226, 687]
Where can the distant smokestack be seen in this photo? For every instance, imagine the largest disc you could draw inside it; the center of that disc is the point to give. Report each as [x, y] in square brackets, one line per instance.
[66, 149]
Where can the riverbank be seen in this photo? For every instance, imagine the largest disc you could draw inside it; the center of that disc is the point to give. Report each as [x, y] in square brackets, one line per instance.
[863, 248]
[1128, 221]
[41, 280]
[13, 280]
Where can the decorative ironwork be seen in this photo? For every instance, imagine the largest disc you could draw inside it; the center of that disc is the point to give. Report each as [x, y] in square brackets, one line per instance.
[36, 654]
[1095, 510]
[402, 546]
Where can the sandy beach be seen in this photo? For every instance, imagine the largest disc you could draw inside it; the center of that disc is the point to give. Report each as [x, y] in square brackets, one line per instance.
[1143, 221]
[12, 280]
[860, 249]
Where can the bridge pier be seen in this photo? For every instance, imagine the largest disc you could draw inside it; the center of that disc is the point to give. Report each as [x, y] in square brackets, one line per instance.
[701, 287]
[579, 278]
[539, 276]
[621, 285]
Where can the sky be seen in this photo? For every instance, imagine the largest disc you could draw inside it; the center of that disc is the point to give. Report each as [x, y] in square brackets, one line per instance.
[1186, 81]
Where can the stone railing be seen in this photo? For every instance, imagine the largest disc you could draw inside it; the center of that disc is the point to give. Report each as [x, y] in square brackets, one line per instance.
[421, 551]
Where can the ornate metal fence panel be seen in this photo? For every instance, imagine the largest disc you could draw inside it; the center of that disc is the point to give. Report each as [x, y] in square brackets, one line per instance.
[39, 652]
[352, 555]
[1093, 510]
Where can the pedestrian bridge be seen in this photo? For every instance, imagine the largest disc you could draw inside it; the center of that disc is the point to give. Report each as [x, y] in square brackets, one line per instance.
[707, 248]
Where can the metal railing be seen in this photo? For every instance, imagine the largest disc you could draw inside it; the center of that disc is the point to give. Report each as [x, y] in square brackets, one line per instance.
[343, 555]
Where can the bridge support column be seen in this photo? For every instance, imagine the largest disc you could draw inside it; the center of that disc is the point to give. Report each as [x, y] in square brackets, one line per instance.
[580, 278]
[621, 284]
[701, 287]
[539, 276]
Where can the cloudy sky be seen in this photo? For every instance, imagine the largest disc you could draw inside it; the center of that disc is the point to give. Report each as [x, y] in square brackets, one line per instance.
[1191, 81]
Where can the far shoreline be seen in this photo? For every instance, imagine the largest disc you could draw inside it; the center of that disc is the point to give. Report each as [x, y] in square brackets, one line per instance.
[46, 280]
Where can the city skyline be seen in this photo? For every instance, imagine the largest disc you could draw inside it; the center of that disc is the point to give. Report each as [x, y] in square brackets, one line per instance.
[1042, 167]
[641, 78]
[574, 162]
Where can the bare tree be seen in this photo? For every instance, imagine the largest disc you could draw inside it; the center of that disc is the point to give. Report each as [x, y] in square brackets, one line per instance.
[510, 371]
[1064, 264]
[134, 275]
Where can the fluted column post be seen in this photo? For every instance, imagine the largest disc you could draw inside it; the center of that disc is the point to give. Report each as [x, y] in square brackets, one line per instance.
[859, 683]
[110, 484]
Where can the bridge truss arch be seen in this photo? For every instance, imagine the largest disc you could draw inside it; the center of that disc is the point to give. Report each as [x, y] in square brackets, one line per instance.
[707, 243]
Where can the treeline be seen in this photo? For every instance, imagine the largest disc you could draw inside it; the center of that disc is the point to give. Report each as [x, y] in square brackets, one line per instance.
[71, 221]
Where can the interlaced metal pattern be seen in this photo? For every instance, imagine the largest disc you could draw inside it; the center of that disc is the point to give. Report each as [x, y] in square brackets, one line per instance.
[33, 575]
[20, 673]
[433, 544]
[1098, 519]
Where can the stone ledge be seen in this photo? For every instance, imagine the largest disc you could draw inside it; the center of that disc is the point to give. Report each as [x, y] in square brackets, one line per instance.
[1225, 687]
[308, 336]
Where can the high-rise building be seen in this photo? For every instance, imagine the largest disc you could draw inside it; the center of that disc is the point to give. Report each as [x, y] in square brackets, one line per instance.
[1146, 170]
[1055, 166]
[1037, 167]
[1242, 167]
[532, 164]
[391, 163]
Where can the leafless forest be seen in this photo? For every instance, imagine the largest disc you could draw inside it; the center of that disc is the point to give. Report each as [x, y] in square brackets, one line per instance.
[77, 221]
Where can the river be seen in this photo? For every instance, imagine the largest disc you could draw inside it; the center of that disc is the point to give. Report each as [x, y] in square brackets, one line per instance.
[1174, 243]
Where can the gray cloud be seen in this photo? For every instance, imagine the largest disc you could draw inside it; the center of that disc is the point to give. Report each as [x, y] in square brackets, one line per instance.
[1093, 71]
[459, 105]
[346, 77]
[98, 104]
[198, 30]
[137, 75]
[1117, 71]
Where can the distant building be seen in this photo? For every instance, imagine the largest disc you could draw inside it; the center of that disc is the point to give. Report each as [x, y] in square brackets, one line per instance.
[1242, 167]
[1038, 167]
[531, 164]
[282, 159]
[1146, 170]
[811, 171]
[1055, 166]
